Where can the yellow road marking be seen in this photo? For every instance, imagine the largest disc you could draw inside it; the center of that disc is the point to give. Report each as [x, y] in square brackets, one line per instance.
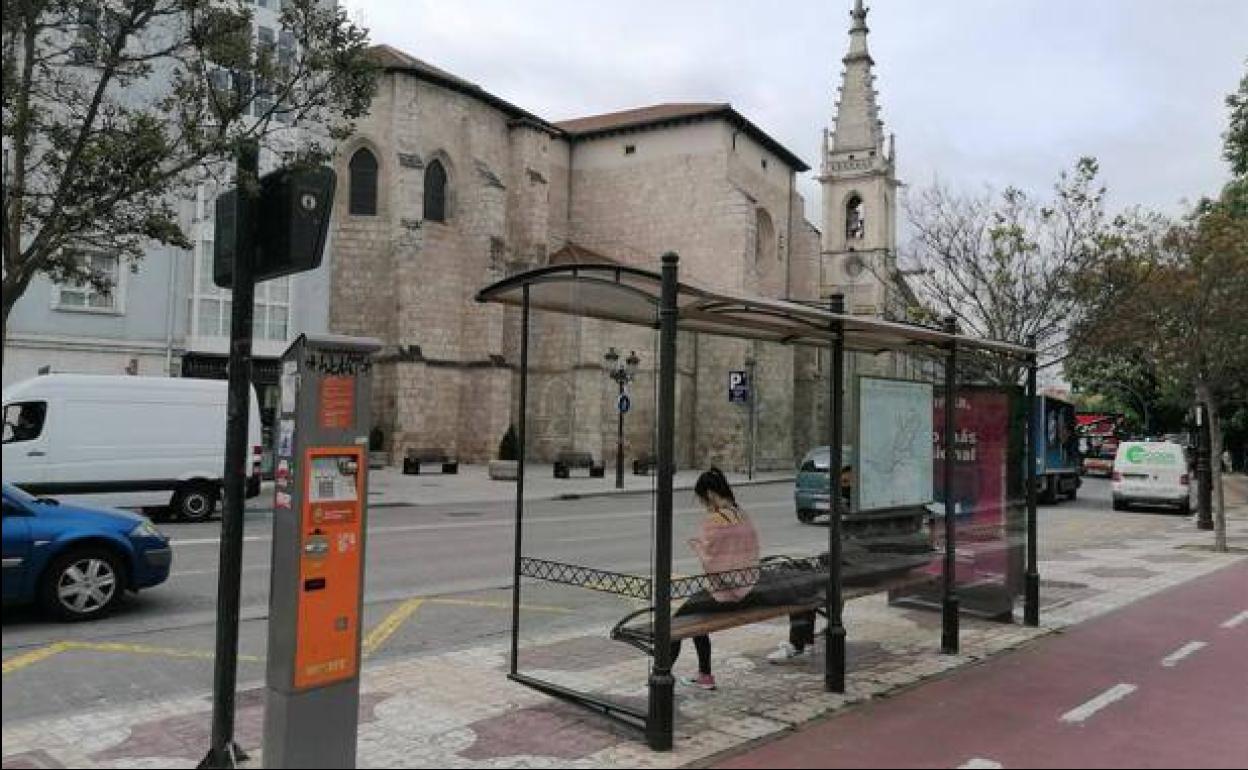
[501, 605]
[43, 653]
[145, 649]
[19, 662]
[391, 623]
[375, 638]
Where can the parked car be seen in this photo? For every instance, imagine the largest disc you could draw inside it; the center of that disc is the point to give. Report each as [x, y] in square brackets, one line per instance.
[74, 561]
[130, 442]
[811, 489]
[1153, 472]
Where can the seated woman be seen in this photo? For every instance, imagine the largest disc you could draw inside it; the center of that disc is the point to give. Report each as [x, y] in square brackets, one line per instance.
[727, 542]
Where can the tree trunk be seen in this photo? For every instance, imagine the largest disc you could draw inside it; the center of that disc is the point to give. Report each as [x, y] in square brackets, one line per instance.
[9, 302]
[1215, 464]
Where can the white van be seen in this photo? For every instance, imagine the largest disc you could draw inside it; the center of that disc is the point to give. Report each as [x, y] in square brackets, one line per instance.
[121, 441]
[1152, 472]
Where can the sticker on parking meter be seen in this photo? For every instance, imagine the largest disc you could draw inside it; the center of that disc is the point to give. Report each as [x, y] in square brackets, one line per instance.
[289, 386]
[282, 500]
[337, 402]
[286, 438]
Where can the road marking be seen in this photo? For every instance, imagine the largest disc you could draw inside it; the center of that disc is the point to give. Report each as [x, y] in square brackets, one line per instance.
[1171, 660]
[1235, 621]
[979, 763]
[214, 570]
[43, 653]
[1113, 694]
[391, 623]
[216, 540]
[500, 605]
[19, 662]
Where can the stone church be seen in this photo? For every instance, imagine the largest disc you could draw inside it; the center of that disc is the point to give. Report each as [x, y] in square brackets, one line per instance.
[445, 188]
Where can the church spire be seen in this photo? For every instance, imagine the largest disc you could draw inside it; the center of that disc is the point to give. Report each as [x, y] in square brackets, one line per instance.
[858, 125]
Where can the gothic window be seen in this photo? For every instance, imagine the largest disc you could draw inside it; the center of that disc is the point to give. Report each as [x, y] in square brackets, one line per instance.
[855, 219]
[435, 192]
[363, 192]
[764, 238]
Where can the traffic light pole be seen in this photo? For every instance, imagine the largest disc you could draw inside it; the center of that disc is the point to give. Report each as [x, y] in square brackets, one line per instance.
[224, 752]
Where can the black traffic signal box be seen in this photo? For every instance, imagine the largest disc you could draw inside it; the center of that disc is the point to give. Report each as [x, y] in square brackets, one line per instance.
[292, 222]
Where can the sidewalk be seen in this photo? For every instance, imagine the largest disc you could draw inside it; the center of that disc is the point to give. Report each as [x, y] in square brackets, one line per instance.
[457, 709]
[390, 487]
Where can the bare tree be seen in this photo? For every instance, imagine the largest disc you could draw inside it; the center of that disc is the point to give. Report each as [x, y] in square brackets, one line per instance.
[1007, 266]
[113, 108]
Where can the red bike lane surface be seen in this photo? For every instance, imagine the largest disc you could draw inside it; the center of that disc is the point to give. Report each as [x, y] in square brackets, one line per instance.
[1098, 695]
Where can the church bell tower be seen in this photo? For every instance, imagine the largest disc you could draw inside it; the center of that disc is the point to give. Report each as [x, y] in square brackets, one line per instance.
[859, 248]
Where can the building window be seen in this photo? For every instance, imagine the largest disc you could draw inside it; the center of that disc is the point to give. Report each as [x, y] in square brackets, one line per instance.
[87, 297]
[435, 192]
[213, 305]
[764, 237]
[363, 192]
[855, 218]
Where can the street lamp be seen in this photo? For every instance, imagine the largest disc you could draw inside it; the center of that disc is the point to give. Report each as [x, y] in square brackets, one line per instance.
[751, 365]
[623, 372]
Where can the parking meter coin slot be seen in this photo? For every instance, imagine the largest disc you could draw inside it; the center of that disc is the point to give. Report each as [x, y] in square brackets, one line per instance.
[314, 584]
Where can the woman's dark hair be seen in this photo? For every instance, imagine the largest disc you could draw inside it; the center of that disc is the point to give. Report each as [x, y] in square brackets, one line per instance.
[714, 480]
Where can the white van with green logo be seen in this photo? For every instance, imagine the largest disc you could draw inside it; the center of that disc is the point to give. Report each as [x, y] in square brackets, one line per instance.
[1151, 472]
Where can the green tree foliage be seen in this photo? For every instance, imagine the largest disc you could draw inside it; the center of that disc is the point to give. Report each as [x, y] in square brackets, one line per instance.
[114, 109]
[1180, 309]
[1235, 149]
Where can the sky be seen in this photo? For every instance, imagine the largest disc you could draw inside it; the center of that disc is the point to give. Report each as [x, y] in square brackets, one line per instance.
[979, 92]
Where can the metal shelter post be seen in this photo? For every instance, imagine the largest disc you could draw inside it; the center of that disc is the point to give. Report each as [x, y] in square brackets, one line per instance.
[949, 597]
[1031, 599]
[834, 638]
[223, 751]
[524, 399]
[659, 721]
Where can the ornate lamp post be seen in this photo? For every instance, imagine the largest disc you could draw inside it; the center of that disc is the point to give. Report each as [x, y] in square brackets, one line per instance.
[623, 372]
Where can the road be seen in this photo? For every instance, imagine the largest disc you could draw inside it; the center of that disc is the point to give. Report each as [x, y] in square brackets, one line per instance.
[1160, 683]
[436, 579]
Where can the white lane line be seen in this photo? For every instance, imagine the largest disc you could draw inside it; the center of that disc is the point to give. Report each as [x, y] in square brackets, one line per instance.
[1113, 694]
[215, 540]
[1171, 660]
[1235, 621]
[979, 763]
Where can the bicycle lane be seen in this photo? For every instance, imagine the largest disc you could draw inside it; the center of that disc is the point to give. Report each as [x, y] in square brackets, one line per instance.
[1160, 683]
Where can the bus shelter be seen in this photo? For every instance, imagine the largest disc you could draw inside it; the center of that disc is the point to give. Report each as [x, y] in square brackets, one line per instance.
[928, 415]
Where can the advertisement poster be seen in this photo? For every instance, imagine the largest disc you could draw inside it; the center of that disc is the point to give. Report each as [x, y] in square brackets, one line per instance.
[980, 463]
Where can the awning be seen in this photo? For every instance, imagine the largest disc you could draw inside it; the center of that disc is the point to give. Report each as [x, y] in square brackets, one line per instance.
[630, 295]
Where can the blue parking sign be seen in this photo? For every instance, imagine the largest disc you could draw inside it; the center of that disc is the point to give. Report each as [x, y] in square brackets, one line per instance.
[623, 403]
[738, 387]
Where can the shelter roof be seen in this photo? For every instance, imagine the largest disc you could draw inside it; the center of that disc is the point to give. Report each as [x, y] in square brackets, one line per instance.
[631, 295]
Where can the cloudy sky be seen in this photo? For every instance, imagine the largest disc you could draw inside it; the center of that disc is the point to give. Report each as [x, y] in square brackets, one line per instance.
[978, 92]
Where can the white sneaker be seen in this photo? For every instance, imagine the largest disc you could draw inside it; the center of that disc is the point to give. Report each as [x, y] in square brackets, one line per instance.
[786, 653]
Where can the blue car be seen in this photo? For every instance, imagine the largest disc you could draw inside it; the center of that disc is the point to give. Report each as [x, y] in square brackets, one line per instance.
[74, 561]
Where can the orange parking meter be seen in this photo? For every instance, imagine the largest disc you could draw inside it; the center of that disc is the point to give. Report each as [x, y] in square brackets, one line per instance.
[320, 509]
